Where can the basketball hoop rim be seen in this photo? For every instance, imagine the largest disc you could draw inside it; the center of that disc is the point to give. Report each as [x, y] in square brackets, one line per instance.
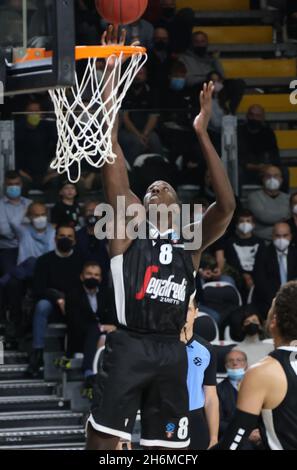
[103, 52]
[83, 52]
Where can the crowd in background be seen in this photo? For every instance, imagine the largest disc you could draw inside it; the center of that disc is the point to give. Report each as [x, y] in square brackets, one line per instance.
[53, 268]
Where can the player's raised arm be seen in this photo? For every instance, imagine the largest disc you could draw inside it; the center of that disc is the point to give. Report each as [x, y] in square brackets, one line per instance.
[115, 176]
[219, 215]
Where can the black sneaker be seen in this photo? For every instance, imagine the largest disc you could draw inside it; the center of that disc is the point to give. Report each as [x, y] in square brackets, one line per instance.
[35, 364]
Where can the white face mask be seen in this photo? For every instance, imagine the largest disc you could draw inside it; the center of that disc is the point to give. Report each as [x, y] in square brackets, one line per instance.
[245, 227]
[218, 86]
[272, 184]
[40, 223]
[294, 210]
[281, 244]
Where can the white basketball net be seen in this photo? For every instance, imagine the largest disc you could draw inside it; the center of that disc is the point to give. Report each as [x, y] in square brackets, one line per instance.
[85, 128]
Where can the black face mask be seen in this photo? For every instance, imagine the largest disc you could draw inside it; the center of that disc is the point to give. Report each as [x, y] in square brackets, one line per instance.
[91, 220]
[91, 283]
[252, 329]
[200, 51]
[64, 244]
[168, 12]
[254, 125]
[161, 46]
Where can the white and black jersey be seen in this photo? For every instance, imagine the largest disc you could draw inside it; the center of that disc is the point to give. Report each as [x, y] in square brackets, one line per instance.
[153, 282]
[281, 423]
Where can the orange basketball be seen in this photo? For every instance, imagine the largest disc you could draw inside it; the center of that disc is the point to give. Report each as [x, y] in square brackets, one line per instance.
[121, 11]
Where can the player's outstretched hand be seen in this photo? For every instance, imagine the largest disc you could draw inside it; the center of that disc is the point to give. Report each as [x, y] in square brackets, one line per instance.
[111, 37]
[202, 120]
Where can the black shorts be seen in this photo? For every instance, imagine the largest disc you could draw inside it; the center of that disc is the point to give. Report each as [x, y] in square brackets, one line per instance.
[146, 373]
[199, 432]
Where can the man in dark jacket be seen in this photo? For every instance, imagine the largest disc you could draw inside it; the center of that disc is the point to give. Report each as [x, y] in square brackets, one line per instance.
[274, 266]
[236, 365]
[89, 316]
[56, 273]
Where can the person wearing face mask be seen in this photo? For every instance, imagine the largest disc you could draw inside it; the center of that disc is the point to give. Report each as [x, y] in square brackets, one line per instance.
[269, 205]
[138, 134]
[253, 331]
[292, 221]
[35, 239]
[55, 274]
[200, 64]
[159, 60]
[240, 249]
[35, 140]
[257, 145]
[89, 317]
[38, 237]
[274, 266]
[90, 247]
[236, 365]
[13, 207]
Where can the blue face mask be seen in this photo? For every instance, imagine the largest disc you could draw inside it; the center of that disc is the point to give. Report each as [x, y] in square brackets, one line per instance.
[236, 374]
[13, 192]
[177, 84]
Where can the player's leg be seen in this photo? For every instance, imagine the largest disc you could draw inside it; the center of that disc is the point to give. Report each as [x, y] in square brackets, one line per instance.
[99, 441]
[117, 392]
[165, 404]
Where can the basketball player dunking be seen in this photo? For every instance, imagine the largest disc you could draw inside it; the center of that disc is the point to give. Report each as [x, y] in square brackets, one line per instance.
[154, 279]
[269, 388]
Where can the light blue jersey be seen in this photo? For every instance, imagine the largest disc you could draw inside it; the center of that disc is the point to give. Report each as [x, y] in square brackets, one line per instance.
[201, 370]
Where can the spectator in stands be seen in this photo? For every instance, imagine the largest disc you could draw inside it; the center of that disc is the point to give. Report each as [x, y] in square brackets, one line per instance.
[200, 64]
[89, 247]
[240, 249]
[11, 23]
[293, 220]
[269, 205]
[67, 210]
[257, 146]
[13, 208]
[35, 140]
[56, 273]
[88, 317]
[180, 104]
[141, 31]
[236, 366]
[35, 239]
[274, 266]
[252, 344]
[138, 134]
[38, 237]
[159, 60]
[88, 27]
[179, 24]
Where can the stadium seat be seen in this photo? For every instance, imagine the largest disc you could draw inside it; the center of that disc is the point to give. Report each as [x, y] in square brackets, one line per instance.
[238, 34]
[272, 103]
[214, 5]
[286, 139]
[206, 327]
[222, 297]
[259, 68]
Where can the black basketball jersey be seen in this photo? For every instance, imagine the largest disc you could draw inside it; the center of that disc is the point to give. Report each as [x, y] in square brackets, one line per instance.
[153, 282]
[281, 423]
